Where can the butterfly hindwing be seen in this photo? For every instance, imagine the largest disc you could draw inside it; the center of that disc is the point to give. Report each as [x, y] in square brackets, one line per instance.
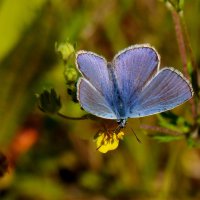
[92, 100]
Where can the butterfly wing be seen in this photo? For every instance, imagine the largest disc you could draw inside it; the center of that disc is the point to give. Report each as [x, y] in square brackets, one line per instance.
[133, 68]
[94, 68]
[95, 91]
[165, 91]
[92, 100]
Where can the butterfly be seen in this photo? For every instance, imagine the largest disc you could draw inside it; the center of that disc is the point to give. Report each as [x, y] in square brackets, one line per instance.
[130, 86]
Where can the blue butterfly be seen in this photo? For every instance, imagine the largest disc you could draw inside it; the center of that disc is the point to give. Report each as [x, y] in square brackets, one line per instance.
[130, 86]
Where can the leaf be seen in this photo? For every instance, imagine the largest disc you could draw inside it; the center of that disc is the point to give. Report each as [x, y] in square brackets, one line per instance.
[170, 116]
[181, 4]
[192, 142]
[166, 138]
[49, 101]
[174, 122]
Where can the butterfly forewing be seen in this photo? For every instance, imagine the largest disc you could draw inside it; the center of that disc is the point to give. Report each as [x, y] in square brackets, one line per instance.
[94, 68]
[165, 91]
[133, 68]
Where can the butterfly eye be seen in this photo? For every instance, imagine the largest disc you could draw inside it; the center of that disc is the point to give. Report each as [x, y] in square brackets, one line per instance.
[121, 123]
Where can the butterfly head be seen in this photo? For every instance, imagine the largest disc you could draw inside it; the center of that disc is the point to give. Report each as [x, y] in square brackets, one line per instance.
[122, 123]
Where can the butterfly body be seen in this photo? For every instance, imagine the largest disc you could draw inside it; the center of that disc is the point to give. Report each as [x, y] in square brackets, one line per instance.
[130, 86]
[116, 102]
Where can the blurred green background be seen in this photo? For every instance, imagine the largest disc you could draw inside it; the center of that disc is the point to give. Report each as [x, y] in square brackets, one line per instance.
[49, 158]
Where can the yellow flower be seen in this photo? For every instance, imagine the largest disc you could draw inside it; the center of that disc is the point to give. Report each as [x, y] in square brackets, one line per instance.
[107, 141]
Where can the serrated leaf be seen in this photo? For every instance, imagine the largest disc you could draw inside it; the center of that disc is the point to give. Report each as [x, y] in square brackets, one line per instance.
[49, 101]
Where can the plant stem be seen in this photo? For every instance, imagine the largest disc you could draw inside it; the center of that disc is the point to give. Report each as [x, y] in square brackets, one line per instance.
[182, 50]
[195, 83]
[181, 43]
[160, 129]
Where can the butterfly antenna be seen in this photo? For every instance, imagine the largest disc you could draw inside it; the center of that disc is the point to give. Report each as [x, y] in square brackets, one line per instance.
[139, 141]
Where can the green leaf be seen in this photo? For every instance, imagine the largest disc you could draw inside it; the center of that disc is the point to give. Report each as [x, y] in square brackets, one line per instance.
[174, 122]
[175, 4]
[166, 138]
[170, 116]
[181, 4]
[194, 143]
